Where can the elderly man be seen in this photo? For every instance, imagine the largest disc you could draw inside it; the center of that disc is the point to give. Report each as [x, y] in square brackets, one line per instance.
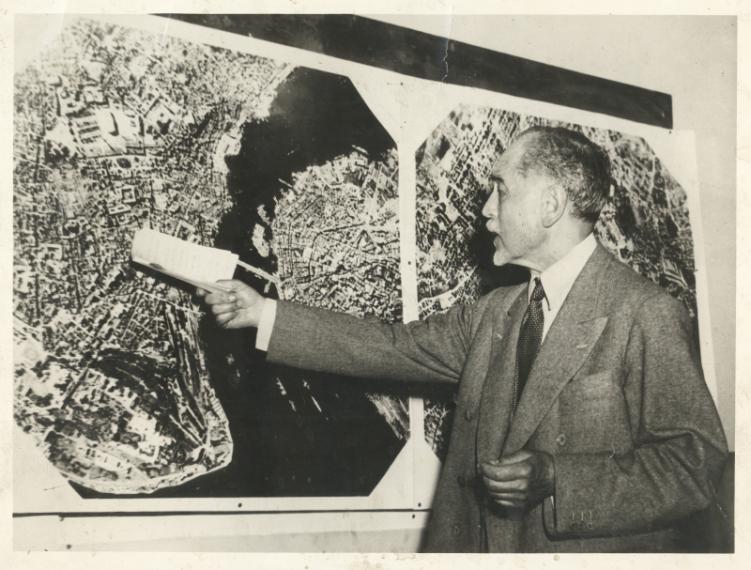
[583, 422]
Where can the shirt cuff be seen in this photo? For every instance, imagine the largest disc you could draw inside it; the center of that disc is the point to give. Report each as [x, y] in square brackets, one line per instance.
[266, 324]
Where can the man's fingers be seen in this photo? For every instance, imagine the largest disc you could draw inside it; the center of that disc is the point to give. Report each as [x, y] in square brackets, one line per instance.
[220, 297]
[514, 504]
[514, 457]
[513, 486]
[224, 308]
[225, 318]
[508, 496]
[510, 504]
[506, 472]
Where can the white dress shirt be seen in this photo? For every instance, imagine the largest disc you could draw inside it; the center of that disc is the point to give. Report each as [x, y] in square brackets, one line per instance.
[266, 324]
[559, 277]
[556, 280]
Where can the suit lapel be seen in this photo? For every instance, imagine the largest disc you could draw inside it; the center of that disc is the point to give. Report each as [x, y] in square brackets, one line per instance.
[567, 345]
[497, 393]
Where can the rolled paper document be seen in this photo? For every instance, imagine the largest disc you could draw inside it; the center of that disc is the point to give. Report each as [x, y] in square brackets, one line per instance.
[199, 265]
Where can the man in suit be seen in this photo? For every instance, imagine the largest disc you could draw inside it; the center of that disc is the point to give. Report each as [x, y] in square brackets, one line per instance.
[583, 422]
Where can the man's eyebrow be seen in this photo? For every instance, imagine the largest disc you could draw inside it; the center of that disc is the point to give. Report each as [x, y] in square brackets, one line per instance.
[496, 180]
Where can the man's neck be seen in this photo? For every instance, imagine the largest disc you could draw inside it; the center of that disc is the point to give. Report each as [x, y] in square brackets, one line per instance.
[587, 243]
[558, 278]
[557, 246]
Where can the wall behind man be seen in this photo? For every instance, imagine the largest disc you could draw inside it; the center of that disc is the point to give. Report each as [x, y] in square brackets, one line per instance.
[692, 58]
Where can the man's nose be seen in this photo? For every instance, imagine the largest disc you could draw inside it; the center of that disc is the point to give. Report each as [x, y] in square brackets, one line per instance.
[488, 209]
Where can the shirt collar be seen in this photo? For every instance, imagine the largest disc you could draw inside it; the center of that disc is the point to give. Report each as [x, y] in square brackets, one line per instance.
[558, 279]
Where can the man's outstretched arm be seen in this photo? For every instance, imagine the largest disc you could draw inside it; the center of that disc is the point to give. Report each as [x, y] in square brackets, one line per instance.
[432, 350]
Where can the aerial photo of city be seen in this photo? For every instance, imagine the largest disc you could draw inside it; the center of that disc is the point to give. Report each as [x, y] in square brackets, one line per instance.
[315, 193]
[123, 381]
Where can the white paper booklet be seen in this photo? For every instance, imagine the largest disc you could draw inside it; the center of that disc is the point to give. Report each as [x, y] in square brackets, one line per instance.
[198, 265]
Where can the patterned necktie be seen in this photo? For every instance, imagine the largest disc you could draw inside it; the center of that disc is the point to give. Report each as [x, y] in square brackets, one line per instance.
[530, 336]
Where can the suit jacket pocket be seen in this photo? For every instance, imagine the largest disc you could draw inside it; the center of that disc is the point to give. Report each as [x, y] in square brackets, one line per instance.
[597, 386]
[592, 413]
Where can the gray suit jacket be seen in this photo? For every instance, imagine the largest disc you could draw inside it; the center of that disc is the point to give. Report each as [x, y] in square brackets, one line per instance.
[616, 395]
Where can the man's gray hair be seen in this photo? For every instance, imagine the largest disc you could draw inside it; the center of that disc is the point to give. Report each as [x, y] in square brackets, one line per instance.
[574, 161]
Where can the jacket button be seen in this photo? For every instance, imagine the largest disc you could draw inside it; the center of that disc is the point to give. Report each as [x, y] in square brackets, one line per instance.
[561, 440]
[468, 414]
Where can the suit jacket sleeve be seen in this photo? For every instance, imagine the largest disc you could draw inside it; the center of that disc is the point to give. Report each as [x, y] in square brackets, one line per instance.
[679, 446]
[431, 350]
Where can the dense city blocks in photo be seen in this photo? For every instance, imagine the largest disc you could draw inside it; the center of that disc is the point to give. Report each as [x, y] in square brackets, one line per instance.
[125, 384]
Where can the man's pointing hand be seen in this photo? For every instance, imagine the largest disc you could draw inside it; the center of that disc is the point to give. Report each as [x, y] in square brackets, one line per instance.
[239, 307]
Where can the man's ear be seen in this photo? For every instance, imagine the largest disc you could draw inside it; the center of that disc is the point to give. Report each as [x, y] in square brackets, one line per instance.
[554, 203]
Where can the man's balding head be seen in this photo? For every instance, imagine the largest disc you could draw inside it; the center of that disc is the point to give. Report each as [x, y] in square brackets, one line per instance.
[547, 190]
[569, 158]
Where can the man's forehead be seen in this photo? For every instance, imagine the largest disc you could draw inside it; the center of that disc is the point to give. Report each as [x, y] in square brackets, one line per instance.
[507, 160]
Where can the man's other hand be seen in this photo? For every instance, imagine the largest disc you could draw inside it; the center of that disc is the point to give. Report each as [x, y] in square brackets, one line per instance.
[520, 480]
[239, 307]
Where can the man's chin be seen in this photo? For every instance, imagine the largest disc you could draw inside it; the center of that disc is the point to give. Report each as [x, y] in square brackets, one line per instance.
[501, 258]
